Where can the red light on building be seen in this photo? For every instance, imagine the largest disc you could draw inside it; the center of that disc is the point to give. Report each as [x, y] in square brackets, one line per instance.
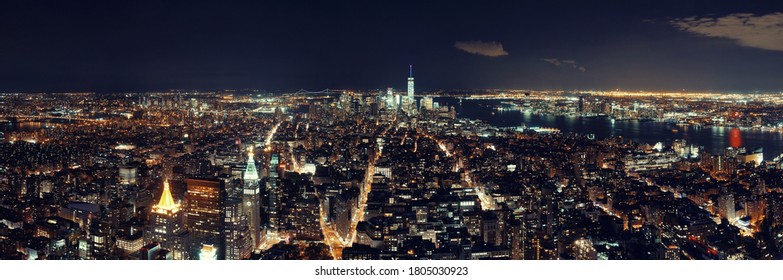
[735, 138]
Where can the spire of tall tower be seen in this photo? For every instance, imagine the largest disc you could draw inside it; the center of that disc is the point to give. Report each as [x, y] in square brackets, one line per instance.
[166, 203]
[250, 171]
[410, 71]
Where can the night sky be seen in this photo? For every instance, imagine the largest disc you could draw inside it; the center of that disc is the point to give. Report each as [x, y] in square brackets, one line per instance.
[121, 46]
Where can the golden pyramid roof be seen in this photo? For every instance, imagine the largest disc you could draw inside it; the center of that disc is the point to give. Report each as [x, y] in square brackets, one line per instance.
[166, 203]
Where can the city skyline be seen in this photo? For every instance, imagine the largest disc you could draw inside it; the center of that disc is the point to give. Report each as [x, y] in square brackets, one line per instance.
[528, 131]
[383, 175]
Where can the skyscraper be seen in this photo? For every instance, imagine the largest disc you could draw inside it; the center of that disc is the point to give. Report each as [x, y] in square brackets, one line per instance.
[205, 212]
[390, 103]
[427, 104]
[250, 199]
[410, 82]
[410, 104]
[167, 225]
[516, 236]
[272, 191]
[726, 206]
[239, 244]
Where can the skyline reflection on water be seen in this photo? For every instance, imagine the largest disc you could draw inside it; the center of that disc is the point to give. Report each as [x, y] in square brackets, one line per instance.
[26, 126]
[714, 139]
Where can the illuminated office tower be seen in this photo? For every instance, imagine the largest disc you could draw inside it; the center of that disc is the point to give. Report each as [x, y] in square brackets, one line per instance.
[167, 225]
[239, 244]
[128, 174]
[410, 82]
[205, 213]
[250, 199]
[726, 206]
[272, 191]
[427, 103]
[390, 98]
[410, 106]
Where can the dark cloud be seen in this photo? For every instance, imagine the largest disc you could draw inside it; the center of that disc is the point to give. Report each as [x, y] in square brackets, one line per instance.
[569, 62]
[553, 61]
[481, 48]
[757, 31]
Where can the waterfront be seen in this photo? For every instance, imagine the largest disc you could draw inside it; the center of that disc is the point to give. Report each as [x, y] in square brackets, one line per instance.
[714, 139]
[27, 126]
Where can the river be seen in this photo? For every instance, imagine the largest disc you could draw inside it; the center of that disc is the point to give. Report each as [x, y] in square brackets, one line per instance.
[712, 139]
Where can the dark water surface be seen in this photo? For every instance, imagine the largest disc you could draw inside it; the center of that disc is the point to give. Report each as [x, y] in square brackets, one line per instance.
[713, 139]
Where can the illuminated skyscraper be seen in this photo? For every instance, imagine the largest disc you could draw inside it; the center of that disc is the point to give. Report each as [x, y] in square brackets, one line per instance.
[272, 191]
[250, 199]
[390, 99]
[410, 103]
[167, 225]
[410, 82]
[726, 206]
[427, 103]
[205, 212]
[239, 244]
